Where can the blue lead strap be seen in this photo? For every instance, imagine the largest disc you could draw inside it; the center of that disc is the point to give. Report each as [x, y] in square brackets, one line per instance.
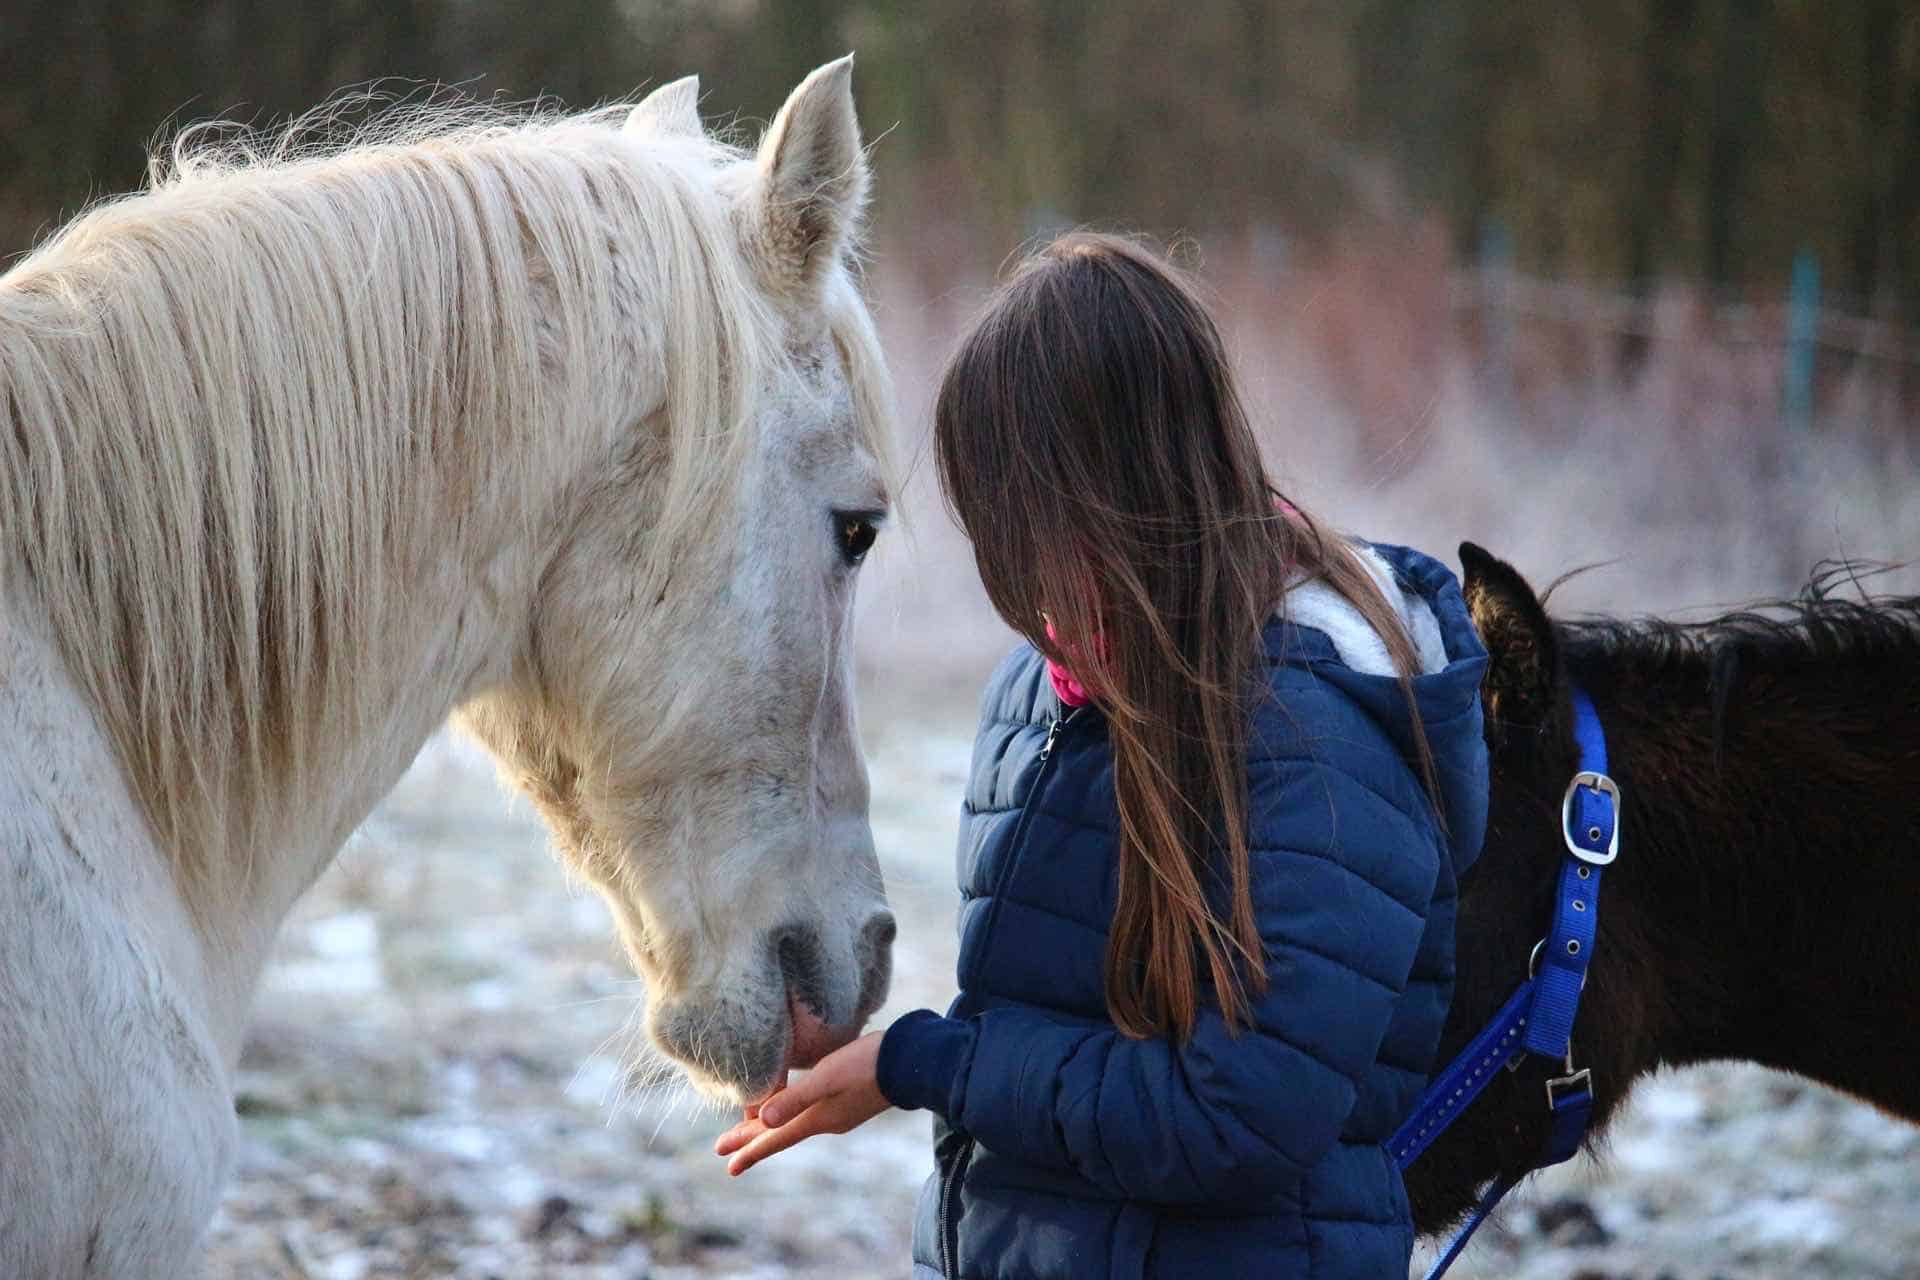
[1571, 1112]
[1496, 1190]
[1540, 1014]
[1456, 1088]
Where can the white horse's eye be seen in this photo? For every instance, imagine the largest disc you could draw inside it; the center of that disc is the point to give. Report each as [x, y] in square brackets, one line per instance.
[856, 532]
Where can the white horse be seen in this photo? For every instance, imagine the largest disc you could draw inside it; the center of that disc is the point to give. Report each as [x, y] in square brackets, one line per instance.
[570, 426]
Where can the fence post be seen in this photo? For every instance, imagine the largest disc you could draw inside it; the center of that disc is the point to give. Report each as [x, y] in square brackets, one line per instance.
[1803, 330]
[1496, 273]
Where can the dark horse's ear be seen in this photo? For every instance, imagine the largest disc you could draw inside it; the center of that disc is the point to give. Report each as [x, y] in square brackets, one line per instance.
[1524, 663]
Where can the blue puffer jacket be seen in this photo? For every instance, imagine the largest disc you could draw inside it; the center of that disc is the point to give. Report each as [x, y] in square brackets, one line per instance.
[1065, 1149]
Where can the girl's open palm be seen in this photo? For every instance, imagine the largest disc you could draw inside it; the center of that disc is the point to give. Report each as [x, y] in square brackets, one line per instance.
[837, 1096]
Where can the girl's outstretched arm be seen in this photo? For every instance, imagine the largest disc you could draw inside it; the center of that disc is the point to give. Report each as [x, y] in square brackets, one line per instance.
[839, 1095]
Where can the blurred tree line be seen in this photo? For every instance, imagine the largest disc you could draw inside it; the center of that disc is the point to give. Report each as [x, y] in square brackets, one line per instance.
[1622, 140]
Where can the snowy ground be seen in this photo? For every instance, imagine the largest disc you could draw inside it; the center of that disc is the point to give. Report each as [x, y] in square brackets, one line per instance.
[1722, 1172]
[431, 1091]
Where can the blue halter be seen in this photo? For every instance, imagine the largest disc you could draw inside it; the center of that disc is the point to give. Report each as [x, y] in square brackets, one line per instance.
[1538, 1018]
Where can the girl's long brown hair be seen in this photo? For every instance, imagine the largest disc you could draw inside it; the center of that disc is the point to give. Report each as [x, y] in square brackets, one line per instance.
[1091, 443]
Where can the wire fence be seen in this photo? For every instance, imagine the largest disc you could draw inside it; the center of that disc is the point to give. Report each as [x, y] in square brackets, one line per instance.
[1817, 362]
[1682, 313]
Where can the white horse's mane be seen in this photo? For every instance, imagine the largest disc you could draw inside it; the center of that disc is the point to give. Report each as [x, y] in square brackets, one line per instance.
[234, 405]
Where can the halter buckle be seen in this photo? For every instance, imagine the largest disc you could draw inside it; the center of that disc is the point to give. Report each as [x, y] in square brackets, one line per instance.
[1533, 966]
[1606, 786]
[1581, 1079]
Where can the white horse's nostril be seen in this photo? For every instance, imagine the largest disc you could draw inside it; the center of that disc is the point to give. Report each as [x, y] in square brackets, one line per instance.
[876, 962]
[802, 966]
[881, 930]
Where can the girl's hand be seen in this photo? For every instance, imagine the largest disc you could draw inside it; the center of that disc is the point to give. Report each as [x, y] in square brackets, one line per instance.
[837, 1096]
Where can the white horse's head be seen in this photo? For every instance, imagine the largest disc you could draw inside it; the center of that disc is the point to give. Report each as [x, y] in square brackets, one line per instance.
[682, 711]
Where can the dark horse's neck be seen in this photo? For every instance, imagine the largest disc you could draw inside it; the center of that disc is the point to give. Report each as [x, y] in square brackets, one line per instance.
[1772, 775]
[1763, 905]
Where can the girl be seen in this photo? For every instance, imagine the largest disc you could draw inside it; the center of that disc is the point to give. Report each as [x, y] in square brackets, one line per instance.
[1220, 803]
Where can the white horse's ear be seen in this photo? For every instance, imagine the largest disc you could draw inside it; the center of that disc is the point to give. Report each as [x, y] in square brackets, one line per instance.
[812, 187]
[672, 109]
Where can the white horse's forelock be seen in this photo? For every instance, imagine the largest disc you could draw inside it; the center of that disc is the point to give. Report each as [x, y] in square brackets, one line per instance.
[231, 406]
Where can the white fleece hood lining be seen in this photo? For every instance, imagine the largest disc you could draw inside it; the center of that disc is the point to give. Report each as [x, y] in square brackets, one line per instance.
[1317, 605]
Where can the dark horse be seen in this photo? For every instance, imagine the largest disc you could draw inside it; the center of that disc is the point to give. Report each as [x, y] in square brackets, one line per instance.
[1764, 904]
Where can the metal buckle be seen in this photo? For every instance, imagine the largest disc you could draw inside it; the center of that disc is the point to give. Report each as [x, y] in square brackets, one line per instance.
[1605, 786]
[1581, 1079]
[1533, 963]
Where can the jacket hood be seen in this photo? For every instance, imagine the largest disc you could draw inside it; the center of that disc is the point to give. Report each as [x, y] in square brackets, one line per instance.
[1318, 629]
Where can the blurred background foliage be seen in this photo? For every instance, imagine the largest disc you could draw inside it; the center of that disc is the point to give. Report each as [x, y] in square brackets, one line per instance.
[1622, 141]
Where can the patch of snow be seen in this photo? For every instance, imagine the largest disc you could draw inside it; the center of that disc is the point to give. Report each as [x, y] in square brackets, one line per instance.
[595, 1082]
[350, 935]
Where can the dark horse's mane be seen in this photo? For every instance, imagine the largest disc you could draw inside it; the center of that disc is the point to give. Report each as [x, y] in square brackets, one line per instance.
[1816, 627]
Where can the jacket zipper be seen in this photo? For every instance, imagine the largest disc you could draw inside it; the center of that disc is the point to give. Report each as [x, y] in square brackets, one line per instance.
[1053, 736]
[950, 1211]
[949, 1216]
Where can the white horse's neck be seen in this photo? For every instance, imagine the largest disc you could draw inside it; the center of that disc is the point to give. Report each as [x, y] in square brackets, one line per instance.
[454, 624]
[458, 636]
[457, 628]
[454, 634]
[56, 761]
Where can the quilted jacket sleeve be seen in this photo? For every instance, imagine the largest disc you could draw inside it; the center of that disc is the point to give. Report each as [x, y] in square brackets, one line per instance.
[1345, 862]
